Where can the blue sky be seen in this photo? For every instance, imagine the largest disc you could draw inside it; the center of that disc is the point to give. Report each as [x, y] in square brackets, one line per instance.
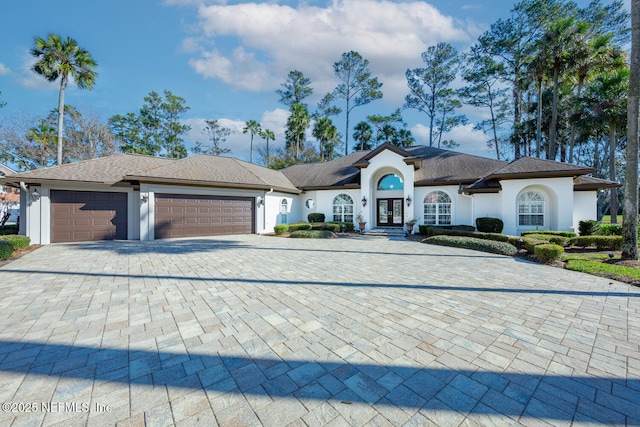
[227, 58]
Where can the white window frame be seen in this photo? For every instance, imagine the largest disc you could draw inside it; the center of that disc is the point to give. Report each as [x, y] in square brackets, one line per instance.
[436, 213]
[343, 208]
[284, 210]
[530, 209]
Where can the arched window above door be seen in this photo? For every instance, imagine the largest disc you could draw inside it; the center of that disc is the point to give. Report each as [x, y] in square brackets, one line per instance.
[390, 182]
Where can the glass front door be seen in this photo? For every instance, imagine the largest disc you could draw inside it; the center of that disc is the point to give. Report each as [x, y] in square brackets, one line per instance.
[390, 213]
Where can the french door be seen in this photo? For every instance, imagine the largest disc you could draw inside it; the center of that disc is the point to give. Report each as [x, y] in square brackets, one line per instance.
[390, 212]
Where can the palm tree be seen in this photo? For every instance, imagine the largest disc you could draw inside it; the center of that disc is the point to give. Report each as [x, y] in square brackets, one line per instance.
[58, 58]
[253, 128]
[363, 135]
[267, 135]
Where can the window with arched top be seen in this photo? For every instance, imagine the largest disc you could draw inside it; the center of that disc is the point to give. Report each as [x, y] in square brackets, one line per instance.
[391, 182]
[343, 208]
[437, 208]
[284, 210]
[531, 209]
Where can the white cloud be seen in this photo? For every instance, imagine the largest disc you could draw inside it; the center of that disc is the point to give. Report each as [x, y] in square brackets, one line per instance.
[4, 70]
[271, 39]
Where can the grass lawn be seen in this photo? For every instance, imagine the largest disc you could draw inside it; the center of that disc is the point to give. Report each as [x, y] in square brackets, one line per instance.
[606, 219]
[599, 264]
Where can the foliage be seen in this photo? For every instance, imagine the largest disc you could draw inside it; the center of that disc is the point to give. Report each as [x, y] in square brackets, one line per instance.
[425, 229]
[295, 88]
[64, 59]
[313, 234]
[17, 241]
[357, 88]
[552, 238]
[156, 129]
[252, 127]
[281, 229]
[299, 226]
[348, 227]
[438, 231]
[489, 225]
[286, 157]
[315, 217]
[297, 124]
[430, 91]
[391, 129]
[613, 243]
[588, 227]
[610, 230]
[216, 135]
[530, 243]
[328, 137]
[325, 226]
[551, 232]
[9, 229]
[267, 135]
[491, 246]
[362, 134]
[6, 250]
[548, 252]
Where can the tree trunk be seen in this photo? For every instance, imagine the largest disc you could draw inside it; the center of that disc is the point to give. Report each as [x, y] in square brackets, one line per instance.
[630, 207]
[613, 209]
[551, 149]
[63, 85]
[515, 139]
[572, 136]
[251, 150]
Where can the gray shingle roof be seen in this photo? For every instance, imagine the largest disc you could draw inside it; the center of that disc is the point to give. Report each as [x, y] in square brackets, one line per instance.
[104, 170]
[205, 169]
[336, 173]
[534, 167]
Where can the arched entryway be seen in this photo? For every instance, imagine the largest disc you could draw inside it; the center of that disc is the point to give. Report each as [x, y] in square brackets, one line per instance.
[389, 200]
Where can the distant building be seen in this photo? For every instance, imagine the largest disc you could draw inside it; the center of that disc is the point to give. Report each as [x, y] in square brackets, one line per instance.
[9, 197]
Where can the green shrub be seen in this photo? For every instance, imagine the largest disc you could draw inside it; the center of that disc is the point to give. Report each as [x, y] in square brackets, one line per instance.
[312, 234]
[588, 227]
[9, 229]
[530, 243]
[610, 230]
[489, 225]
[424, 229]
[18, 242]
[299, 226]
[548, 252]
[461, 232]
[491, 246]
[332, 227]
[348, 227]
[281, 229]
[315, 217]
[610, 243]
[551, 233]
[6, 250]
[552, 238]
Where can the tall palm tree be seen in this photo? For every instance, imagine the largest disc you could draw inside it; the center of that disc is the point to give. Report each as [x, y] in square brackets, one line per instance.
[268, 135]
[253, 128]
[363, 134]
[64, 59]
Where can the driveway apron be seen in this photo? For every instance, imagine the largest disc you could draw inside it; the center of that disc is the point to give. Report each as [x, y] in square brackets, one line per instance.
[256, 330]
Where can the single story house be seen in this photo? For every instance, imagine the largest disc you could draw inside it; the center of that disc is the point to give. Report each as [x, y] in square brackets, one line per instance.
[136, 197]
[9, 197]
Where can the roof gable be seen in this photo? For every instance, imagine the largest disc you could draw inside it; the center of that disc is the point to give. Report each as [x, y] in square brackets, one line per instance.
[531, 167]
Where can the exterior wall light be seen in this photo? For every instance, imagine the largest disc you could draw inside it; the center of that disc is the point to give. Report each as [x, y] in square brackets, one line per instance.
[144, 198]
[259, 201]
[409, 200]
[364, 201]
[35, 196]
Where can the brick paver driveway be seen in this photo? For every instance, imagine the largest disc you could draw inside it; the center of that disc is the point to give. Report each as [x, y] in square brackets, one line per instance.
[257, 330]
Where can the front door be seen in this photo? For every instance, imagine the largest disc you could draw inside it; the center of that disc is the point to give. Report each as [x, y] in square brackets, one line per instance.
[390, 212]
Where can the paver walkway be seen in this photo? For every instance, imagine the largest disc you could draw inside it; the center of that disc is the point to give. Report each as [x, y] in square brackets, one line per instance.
[256, 330]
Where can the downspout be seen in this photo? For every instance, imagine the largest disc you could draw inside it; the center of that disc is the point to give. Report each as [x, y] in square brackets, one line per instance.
[264, 208]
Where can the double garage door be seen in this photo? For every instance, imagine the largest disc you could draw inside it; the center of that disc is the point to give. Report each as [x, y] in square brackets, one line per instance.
[78, 216]
[196, 215]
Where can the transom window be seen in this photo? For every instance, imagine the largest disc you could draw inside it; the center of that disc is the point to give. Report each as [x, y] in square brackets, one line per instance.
[343, 208]
[437, 208]
[531, 209]
[390, 182]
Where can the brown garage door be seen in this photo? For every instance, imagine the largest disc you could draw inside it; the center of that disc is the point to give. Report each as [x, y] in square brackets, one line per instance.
[179, 215]
[80, 216]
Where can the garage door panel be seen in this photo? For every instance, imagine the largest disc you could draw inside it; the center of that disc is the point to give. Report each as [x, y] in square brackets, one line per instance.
[88, 215]
[194, 215]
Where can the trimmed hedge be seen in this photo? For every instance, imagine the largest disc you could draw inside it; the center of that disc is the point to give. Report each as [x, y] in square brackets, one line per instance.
[325, 226]
[610, 243]
[552, 238]
[299, 226]
[530, 243]
[491, 246]
[551, 232]
[17, 241]
[485, 236]
[489, 225]
[548, 252]
[281, 229]
[6, 250]
[312, 234]
[348, 227]
[424, 229]
[315, 217]
[588, 227]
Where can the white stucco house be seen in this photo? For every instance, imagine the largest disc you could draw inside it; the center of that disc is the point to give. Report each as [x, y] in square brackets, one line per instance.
[137, 197]
[9, 197]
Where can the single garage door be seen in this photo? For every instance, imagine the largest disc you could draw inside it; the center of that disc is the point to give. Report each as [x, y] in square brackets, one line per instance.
[179, 215]
[80, 216]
